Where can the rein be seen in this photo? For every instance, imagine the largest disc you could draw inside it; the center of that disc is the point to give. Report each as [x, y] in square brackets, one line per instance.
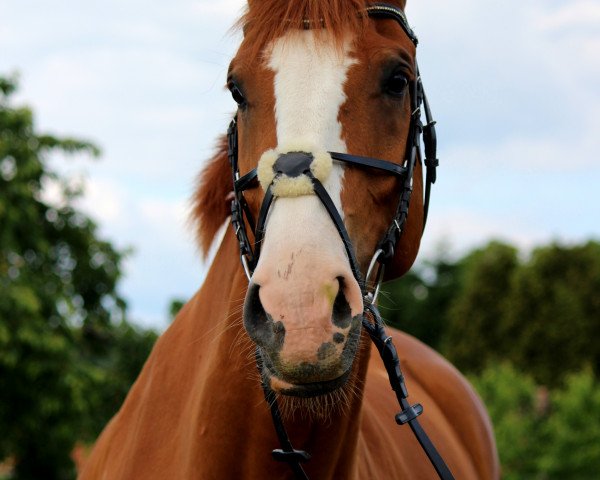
[249, 254]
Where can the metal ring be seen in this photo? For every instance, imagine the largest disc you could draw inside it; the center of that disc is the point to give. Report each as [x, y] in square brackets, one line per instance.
[376, 255]
[378, 286]
[246, 268]
[371, 297]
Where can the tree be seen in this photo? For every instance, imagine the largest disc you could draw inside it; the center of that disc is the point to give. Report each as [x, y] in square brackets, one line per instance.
[474, 334]
[418, 302]
[511, 400]
[59, 306]
[571, 436]
[543, 433]
[552, 313]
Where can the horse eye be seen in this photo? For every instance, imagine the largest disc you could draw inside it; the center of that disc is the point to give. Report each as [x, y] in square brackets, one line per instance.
[396, 84]
[237, 94]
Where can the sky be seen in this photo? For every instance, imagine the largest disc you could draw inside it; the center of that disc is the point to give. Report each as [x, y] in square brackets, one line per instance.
[514, 86]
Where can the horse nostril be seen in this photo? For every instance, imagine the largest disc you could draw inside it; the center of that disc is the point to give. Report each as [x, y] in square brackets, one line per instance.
[254, 313]
[259, 324]
[342, 313]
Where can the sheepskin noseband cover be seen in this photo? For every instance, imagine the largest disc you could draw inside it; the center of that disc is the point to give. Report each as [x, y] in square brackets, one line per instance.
[286, 171]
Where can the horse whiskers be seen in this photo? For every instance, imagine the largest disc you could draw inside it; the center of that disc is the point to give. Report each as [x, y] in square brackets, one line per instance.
[247, 353]
[211, 331]
[237, 322]
[241, 340]
[322, 408]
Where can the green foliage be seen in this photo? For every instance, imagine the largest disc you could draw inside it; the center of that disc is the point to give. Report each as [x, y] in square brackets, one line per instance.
[572, 433]
[475, 335]
[510, 398]
[541, 433]
[526, 330]
[110, 372]
[553, 310]
[418, 302]
[541, 314]
[65, 351]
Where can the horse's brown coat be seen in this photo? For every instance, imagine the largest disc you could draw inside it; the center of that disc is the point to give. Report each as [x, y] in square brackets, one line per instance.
[197, 409]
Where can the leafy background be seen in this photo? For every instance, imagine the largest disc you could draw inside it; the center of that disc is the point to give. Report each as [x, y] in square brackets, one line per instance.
[514, 87]
[523, 327]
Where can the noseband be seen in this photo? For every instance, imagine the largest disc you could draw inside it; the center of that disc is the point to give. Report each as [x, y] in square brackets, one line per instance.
[296, 164]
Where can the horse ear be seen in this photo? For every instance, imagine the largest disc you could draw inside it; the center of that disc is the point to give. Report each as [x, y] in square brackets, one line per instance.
[408, 245]
[210, 205]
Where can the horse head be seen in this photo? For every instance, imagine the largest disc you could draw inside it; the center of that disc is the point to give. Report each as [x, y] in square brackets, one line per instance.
[307, 84]
[327, 190]
[322, 90]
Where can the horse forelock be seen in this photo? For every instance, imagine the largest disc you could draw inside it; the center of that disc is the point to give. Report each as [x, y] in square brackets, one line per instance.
[266, 20]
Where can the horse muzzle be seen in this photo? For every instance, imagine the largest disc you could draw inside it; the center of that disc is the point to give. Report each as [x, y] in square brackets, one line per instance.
[307, 340]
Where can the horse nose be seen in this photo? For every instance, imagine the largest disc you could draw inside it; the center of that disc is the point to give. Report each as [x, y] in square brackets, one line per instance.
[262, 329]
[314, 321]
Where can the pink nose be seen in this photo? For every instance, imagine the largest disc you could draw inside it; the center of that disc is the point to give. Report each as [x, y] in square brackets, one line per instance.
[305, 321]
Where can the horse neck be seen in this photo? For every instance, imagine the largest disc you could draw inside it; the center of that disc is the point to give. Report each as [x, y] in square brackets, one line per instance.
[230, 403]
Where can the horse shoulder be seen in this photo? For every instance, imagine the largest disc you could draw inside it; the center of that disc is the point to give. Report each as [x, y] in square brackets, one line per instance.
[454, 416]
[140, 441]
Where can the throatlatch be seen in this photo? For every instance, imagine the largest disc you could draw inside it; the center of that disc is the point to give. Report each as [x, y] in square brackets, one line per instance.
[292, 173]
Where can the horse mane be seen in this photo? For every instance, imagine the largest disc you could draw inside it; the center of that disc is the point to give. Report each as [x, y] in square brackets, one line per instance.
[209, 204]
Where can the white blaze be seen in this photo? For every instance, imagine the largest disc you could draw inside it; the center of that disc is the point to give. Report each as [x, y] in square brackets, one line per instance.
[310, 73]
[302, 251]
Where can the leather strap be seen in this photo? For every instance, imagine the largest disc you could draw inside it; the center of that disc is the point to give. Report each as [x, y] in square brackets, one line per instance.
[240, 209]
[408, 413]
[385, 10]
[287, 453]
[260, 227]
[339, 225]
[383, 165]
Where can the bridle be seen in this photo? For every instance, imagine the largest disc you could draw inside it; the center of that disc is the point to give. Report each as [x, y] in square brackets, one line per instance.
[298, 163]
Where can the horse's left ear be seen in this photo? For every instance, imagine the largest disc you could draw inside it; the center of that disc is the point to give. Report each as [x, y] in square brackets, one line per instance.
[408, 245]
[210, 203]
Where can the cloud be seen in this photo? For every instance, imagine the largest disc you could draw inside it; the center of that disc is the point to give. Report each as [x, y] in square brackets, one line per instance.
[164, 264]
[530, 153]
[106, 201]
[514, 89]
[493, 72]
[574, 15]
[222, 7]
[463, 229]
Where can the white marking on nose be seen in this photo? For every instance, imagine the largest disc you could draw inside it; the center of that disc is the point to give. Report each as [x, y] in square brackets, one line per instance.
[310, 72]
[309, 90]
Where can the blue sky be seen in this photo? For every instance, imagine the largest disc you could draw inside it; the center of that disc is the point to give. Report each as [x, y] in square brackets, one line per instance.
[515, 87]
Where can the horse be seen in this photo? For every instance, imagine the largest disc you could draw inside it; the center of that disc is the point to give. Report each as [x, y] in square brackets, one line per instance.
[322, 178]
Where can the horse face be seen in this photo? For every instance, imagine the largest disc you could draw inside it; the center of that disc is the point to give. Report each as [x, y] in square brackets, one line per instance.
[307, 93]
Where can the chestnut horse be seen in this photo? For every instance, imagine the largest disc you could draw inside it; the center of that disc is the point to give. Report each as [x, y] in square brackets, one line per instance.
[311, 77]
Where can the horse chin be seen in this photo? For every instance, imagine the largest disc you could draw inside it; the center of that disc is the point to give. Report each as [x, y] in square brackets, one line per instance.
[305, 390]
